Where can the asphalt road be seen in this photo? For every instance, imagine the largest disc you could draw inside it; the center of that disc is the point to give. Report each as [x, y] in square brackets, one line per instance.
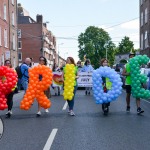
[88, 130]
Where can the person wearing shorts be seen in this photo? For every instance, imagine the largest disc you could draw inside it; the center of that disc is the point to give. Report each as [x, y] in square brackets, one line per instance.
[126, 72]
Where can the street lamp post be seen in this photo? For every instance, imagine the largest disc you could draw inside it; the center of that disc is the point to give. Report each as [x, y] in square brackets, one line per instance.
[58, 52]
[106, 53]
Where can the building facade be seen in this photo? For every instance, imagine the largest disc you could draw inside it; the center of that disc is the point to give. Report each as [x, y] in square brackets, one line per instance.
[8, 31]
[35, 40]
[145, 27]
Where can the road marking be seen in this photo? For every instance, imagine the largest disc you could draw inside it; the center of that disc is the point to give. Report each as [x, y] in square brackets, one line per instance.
[1, 128]
[145, 100]
[50, 140]
[65, 106]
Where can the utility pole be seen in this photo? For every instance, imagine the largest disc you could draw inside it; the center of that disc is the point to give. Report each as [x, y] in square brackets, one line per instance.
[58, 52]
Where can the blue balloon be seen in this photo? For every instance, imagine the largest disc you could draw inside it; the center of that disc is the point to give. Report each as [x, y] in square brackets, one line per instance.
[115, 90]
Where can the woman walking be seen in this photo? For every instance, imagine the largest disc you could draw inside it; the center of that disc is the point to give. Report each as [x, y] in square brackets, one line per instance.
[43, 61]
[70, 60]
[106, 86]
[10, 95]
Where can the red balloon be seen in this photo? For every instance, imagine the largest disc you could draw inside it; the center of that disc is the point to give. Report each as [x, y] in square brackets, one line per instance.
[8, 80]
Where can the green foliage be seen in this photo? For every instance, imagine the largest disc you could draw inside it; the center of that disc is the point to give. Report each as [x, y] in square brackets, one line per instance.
[125, 46]
[93, 43]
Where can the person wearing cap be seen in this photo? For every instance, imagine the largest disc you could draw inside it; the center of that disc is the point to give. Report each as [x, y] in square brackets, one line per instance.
[126, 72]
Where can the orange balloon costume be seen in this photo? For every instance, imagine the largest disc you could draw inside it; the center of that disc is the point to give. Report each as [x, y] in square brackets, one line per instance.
[37, 87]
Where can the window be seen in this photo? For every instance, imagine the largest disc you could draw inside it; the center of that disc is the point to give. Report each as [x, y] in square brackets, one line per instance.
[146, 16]
[0, 36]
[12, 1]
[141, 18]
[5, 14]
[2, 60]
[146, 39]
[141, 41]
[19, 45]
[19, 33]
[13, 18]
[141, 2]
[5, 38]
[0, 11]
[14, 42]
[20, 56]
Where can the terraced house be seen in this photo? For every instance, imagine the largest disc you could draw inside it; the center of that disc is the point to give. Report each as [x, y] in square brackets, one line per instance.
[8, 31]
[145, 27]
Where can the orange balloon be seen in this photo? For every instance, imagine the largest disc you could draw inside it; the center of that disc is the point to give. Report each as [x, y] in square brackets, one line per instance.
[37, 87]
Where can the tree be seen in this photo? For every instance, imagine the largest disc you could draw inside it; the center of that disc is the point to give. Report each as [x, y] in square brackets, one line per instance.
[93, 43]
[125, 46]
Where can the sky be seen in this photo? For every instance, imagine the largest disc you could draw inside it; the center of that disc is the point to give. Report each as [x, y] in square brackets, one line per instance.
[68, 18]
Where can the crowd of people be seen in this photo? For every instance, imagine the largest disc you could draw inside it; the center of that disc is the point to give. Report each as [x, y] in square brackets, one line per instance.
[87, 67]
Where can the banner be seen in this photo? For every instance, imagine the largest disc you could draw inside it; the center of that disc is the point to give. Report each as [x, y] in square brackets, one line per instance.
[85, 79]
[57, 79]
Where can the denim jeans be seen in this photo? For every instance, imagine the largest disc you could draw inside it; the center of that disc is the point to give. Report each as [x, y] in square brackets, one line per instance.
[24, 84]
[71, 102]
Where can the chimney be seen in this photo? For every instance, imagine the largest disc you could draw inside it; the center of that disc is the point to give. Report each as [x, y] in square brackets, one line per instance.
[39, 19]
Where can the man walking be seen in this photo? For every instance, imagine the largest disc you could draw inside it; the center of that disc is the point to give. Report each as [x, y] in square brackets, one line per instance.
[126, 72]
[25, 74]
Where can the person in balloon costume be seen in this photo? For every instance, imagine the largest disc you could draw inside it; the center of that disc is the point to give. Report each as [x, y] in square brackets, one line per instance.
[106, 86]
[127, 73]
[10, 95]
[43, 61]
[70, 60]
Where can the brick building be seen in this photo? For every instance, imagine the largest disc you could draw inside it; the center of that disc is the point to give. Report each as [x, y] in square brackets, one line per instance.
[145, 27]
[34, 39]
[8, 31]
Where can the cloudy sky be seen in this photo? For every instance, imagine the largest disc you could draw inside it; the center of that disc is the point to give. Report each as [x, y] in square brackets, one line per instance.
[68, 18]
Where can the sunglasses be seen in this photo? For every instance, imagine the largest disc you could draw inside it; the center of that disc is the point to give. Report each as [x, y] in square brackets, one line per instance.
[42, 60]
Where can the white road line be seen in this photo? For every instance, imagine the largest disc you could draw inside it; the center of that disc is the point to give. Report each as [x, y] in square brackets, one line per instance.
[50, 140]
[145, 100]
[65, 106]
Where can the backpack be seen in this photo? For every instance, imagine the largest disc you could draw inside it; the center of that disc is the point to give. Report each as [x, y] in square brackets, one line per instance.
[19, 73]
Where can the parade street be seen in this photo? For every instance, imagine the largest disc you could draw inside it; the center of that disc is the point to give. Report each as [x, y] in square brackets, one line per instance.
[88, 130]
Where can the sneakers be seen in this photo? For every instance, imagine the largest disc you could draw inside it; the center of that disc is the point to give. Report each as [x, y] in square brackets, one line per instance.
[128, 109]
[72, 113]
[38, 114]
[8, 114]
[46, 110]
[106, 110]
[139, 111]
